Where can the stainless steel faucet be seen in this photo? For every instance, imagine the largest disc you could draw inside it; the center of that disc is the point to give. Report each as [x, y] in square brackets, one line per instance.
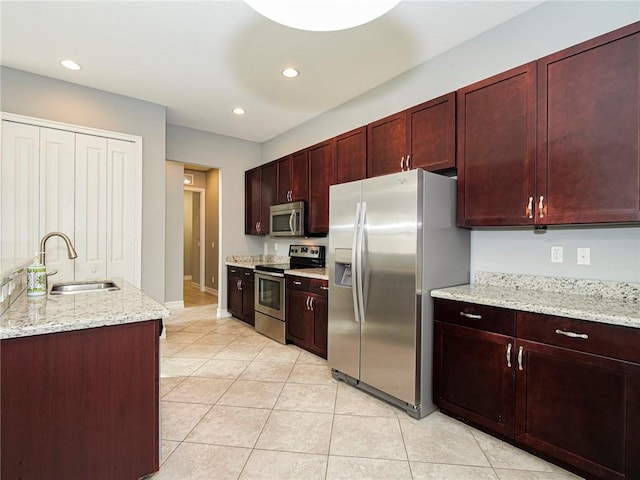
[70, 249]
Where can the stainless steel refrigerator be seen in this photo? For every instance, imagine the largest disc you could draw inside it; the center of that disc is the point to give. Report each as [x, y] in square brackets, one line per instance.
[392, 239]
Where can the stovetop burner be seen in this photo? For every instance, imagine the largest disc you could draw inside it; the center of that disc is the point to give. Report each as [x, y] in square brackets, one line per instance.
[301, 256]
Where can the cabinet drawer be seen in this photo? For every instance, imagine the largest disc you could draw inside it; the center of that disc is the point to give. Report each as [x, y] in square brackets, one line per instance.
[298, 283]
[319, 287]
[239, 272]
[472, 315]
[591, 337]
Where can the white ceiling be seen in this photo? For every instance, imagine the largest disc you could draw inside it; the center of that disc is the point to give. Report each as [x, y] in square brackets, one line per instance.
[202, 58]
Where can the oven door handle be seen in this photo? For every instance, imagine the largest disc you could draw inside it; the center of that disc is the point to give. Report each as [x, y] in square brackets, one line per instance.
[270, 274]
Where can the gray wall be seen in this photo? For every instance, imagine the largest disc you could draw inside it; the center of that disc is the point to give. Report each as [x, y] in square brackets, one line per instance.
[552, 26]
[232, 157]
[42, 97]
[174, 233]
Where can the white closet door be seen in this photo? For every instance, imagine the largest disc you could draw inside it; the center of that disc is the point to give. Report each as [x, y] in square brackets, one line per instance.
[123, 193]
[19, 239]
[57, 203]
[91, 207]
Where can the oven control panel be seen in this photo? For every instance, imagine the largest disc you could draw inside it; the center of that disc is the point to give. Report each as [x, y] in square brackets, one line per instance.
[307, 251]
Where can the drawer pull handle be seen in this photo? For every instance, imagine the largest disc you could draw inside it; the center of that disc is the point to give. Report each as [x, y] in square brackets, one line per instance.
[572, 335]
[530, 208]
[295, 282]
[322, 287]
[509, 355]
[471, 315]
[520, 352]
[541, 207]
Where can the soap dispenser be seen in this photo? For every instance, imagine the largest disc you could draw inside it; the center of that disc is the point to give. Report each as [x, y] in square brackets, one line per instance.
[36, 278]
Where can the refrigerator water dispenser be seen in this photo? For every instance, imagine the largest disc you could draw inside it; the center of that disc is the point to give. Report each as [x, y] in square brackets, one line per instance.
[343, 267]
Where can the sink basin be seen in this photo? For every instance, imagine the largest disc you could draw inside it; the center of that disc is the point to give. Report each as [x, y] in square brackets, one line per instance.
[83, 287]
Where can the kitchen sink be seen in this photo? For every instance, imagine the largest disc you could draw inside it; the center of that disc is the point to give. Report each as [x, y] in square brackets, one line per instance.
[83, 287]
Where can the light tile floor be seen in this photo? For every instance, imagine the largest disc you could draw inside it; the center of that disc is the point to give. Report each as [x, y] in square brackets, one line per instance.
[237, 405]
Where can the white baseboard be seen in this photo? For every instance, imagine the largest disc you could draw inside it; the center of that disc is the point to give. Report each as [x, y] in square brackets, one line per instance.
[177, 305]
[188, 277]
[210, 290]
[195, 284]
[222, 313]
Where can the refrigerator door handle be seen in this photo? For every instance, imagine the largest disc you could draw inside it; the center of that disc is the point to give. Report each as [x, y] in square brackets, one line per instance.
[359, 248]
[354, 262]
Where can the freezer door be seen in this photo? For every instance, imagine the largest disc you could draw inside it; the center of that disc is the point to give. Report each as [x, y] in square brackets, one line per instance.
[390, 330]
[343, 344]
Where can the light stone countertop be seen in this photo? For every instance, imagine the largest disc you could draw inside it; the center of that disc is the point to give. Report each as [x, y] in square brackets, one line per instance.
[250, 261]
[614, 303]
[29, 316]
[320, 273]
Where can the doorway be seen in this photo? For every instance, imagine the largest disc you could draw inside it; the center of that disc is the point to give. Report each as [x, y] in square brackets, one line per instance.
[201, 233]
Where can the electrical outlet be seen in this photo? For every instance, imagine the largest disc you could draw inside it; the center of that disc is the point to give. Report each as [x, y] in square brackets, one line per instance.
[556, 255]
[584, 256]
[213, 245]
[213, 279]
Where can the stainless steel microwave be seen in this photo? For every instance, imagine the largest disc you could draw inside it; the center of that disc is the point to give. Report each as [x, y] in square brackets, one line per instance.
[287, 220]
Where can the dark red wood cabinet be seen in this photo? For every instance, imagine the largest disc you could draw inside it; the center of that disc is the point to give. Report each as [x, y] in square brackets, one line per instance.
[568, 389]
[321, 174]
[555, 141]
[240, 294]
[307, 313]
[293, 177]
[351, 155]
[496, 149]
[420, 137]
[589, 131]
[81, 404]
[261, 191]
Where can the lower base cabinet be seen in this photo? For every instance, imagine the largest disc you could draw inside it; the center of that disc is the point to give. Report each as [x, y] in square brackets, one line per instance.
[307, 314]
[82, 404]
[240, 294]
[567, 389]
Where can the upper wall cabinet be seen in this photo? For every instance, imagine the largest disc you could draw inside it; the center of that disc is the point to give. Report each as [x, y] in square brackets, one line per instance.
[585, 166]
[421, 137]
[260, 193]
[351, 155]
[589, 131]
[320, 178]
[496, 149]
[293, 177]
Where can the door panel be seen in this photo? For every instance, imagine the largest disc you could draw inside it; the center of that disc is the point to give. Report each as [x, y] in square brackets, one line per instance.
[389, 331]
[91, 207]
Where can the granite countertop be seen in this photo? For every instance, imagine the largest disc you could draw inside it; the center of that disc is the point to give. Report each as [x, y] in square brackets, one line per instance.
[29, 316]
[320, 273]
[614, 303]
[250, 261]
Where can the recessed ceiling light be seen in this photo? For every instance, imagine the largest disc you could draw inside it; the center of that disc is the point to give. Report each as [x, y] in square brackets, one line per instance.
[70, 64]
[290, 72]
[239, 111]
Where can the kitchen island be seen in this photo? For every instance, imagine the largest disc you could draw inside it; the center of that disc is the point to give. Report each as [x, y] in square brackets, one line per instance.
[80, 386]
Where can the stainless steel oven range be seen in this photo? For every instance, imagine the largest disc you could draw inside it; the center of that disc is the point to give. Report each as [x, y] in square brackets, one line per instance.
[270, 289]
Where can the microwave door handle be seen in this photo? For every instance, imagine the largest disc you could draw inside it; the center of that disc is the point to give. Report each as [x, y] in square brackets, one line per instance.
[291, 225]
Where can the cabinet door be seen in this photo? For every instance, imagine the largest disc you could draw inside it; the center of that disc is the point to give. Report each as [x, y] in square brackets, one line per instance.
[297, 314]
[474, 375]
[19, 208]
[431, 134]
[320, 178]
[91, 207]
[320, 310]
[589, 131]
[57, 198]
[496, 149]
[234, 293]
[123, 194]
[386, 145]
[252, 201]
[580, 408]
[268, 194]
[351, 155]
[300, 176]
[248, 297]
[284, 180]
